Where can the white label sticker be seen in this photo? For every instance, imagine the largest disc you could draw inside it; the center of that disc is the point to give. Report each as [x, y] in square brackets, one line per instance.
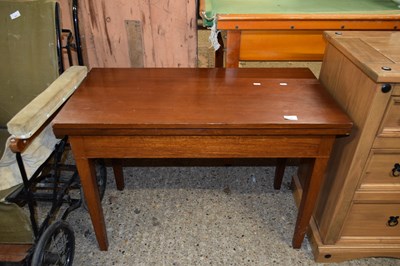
[290, 117]
[283, 84]
[15, 15]
[256, 83]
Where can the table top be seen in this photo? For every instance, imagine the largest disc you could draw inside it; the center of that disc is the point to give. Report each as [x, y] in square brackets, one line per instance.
[194, 101]
[377, 53]
[212, 8]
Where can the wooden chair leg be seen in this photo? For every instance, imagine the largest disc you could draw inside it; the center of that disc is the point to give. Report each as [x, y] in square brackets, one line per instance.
[118, 174]
[279, 171]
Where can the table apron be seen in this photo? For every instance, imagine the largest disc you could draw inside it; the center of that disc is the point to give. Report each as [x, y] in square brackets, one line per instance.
[317, 24]
[202, 146]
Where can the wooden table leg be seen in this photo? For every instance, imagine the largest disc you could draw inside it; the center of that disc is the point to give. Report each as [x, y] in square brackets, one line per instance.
[232, 49]
[279, 172]
[311, 189]
[87, 173]
[118, 173]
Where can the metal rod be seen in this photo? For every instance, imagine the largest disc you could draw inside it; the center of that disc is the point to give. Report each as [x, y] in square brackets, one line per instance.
[75, 18]
[28, 194]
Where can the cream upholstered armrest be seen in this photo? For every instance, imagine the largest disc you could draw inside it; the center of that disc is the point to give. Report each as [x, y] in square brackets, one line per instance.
[27, 121]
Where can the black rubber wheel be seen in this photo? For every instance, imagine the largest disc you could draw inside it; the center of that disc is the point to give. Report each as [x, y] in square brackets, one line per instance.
[101, 177]
[56, 246]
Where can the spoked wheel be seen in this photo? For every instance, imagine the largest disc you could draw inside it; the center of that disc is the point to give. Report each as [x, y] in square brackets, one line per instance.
[56, 246]
[101, 177]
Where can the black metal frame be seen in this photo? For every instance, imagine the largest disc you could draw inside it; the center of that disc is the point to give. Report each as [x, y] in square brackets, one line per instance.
[75, 17]
[47, 185]
[59, 40]
[70, 44]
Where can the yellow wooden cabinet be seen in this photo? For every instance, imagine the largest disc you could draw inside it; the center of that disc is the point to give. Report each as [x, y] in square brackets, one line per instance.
[359, 206]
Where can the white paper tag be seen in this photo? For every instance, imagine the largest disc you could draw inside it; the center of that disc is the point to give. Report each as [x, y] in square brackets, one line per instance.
[15, 15]
[256, 83]
[283, 84]
[290, 117]
[213, 38]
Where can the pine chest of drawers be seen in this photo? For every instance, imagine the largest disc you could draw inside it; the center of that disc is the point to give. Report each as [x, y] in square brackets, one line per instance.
[359, 206]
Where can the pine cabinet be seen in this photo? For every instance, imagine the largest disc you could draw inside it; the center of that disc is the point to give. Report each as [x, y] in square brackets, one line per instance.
[359, 205]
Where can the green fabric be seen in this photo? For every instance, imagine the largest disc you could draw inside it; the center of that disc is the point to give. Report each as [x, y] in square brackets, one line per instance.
[214, 7]
[15, 227]
[7, 192]
[3, 139]
[28, 52]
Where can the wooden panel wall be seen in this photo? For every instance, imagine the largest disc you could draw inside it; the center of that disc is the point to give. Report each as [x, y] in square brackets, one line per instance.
[167, 32]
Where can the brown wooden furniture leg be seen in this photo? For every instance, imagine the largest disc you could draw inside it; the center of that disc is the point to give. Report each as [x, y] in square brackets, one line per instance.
[232, 48]
[87, 174]
[311, 188]
[219, 54]
[118, 173]
[279, 171]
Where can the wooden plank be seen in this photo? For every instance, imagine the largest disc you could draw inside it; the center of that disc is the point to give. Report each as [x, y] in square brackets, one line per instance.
[135, 42]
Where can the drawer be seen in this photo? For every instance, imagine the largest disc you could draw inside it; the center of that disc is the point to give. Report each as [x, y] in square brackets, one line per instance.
[396, 90]
[390, 126]
[373, 220]
[382, 171]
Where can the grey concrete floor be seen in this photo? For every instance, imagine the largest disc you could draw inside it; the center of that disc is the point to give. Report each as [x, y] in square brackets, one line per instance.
[199, 215]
